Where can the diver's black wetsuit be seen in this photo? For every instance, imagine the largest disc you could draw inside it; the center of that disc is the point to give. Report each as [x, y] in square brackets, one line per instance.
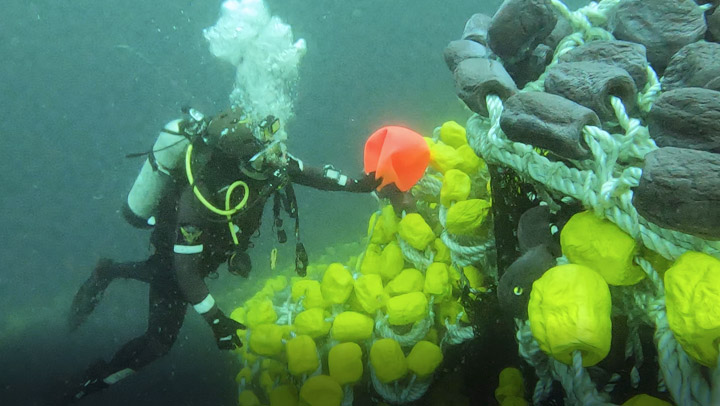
[212, 233]
[191, 242]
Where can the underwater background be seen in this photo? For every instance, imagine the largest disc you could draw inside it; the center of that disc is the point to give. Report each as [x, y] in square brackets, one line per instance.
[84, 83]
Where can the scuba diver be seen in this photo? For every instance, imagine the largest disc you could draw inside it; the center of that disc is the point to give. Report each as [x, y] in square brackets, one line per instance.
[203, 189]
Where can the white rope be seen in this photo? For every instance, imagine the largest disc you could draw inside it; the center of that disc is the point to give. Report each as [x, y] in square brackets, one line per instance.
[418, 331]
[598, 13]
[464, 250]
[398, 393]
[421, 260]
[636, 141]
[633, 349]
[612, 383]
[288, 310]
[456, 333]
[682, 376]
[632, 301]
[652, 90]
[715, 383]
[652, 275]
[462, 255]
[581, 23]
[348, 395]
[429, 185]
[530, 351]
[577, 383]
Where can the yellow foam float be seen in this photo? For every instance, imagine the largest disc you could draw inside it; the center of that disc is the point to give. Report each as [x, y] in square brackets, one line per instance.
[309, 291]
[321, 390]
[352, 326]
[601, 245]
[437, 280]
[302, 355]
[407, 308]
[511, 389]
[383, 226]
[416, 231]
[312, 322]
[469, 163]
[466, 217]
[388, 360]
[267, 339]
[692, 297]
[569, 310]
[284, 395]
[337, 284]
[443, 157]
[345, 363]
[248, 398]
[455, 187]
[453, 134]
[260, 312]
[370, 292]
[408, 280]
[424, 358]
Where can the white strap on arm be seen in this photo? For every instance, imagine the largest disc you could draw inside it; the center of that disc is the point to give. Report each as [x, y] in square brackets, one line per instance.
[206, 304]
[188, 249]
[334, 174]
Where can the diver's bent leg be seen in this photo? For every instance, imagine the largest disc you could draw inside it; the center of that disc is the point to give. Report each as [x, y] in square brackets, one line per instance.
[166, 316]
[134, 354]
[92, 290]
[142, 271]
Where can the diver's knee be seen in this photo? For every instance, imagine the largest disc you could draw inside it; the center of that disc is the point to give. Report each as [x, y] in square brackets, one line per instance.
[104, 269]
[160, 345]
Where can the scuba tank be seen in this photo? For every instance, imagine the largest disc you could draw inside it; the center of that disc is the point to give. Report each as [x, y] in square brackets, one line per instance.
[156, 176]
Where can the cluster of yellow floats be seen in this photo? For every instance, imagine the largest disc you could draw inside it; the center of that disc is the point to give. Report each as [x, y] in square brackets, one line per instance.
[309, 340]
[570, 305]
[376, 318]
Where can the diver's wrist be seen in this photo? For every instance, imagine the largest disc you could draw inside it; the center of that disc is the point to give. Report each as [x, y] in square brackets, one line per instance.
[206, 306]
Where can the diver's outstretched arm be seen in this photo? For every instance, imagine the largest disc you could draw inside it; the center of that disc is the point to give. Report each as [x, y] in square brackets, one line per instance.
[328, 178]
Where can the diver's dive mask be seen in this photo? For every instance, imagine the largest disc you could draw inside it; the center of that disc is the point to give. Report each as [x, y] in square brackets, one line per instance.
[269, 126]
[195, 122]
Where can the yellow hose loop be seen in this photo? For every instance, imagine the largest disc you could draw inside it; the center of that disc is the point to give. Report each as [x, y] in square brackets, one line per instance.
[228, 194]
[228, 211]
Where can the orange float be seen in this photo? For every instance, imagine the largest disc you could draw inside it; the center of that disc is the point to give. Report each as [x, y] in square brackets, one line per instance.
[397, 155]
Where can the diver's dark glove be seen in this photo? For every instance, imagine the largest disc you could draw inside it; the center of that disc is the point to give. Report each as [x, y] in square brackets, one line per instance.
[224, 329]
[367, 183]
[401, 201]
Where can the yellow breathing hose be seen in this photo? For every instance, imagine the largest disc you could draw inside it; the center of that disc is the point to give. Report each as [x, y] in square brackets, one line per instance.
[228, 212]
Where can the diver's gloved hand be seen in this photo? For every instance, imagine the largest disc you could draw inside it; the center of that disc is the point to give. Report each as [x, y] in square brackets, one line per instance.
[401, 201]
[224, 329]
[367, 183]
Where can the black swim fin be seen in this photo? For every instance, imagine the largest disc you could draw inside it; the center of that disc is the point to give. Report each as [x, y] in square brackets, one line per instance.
[76, 388]
[89, 294]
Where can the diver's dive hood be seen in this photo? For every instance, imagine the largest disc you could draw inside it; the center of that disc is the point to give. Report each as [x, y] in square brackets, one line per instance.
[230, 132]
